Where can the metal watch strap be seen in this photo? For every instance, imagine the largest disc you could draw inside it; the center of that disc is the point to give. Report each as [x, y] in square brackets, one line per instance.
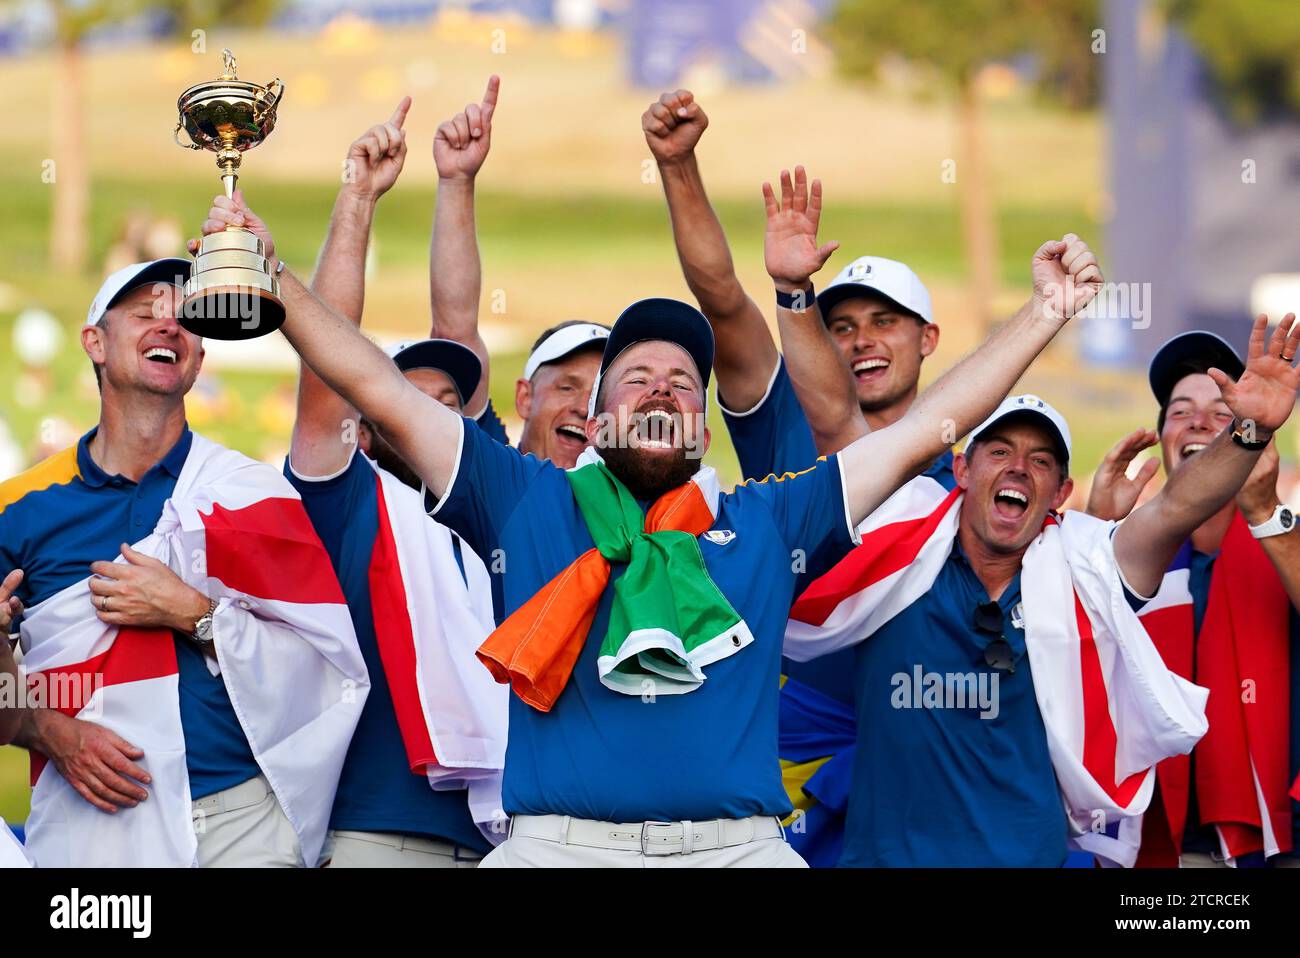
[212, 608]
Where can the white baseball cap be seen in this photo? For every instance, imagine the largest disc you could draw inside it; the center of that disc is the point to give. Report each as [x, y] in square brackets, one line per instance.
[171, 270]
[882, 277]
[562, 342]
[1027, 405]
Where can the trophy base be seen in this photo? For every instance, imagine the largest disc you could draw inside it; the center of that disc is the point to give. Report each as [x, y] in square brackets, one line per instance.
[231, 312]
[231, 293]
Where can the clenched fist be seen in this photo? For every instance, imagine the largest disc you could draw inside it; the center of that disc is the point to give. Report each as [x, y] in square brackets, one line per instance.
[673, 124]
[1066, 276]
[234, 212]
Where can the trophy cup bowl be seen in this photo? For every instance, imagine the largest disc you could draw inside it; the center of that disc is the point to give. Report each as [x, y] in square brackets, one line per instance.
[231, 292]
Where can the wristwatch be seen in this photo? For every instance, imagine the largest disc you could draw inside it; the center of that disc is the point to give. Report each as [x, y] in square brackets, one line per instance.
[1253, 445]
[202, 632]
[1281, 522]
[799, 300]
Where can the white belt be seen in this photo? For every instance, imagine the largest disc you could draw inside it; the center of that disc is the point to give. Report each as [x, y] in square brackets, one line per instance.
[648, 838]
[238, 796]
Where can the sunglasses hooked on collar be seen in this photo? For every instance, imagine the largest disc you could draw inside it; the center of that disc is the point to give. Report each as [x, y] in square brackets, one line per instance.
[998, 654]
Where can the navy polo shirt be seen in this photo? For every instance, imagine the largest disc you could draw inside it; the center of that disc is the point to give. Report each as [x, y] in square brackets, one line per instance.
[491, 424]
[774, 438]
[603, 755]
[65, 513]
[936, 783]
[377, 790]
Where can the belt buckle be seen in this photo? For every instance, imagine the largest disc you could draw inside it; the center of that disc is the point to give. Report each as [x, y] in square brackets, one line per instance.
[645, 826]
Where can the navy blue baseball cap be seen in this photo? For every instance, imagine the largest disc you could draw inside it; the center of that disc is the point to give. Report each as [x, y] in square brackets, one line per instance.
[1188, 353]
[455, 359]
[658, 318]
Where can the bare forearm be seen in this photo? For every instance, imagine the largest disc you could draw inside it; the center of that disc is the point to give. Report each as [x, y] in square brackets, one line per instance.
[822, 382]
[967, 394]
[319, 446]
[700, 240]
[956, 403]
[422, 430]
[456, 276]
[1203, 485]
[340, 278]
[746, 354]
[1284, 552]
[334, 349]
[455, 269]
[1147, 540]
[29, 729]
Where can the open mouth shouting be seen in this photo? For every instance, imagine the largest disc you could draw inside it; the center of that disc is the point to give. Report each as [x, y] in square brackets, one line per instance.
[656, 429]
[870, 368]
[1010, 503]
[571, 437]
[1192, 448]
[161, 354]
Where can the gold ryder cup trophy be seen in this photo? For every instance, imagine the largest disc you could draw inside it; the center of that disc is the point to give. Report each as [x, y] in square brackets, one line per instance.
[231, 293]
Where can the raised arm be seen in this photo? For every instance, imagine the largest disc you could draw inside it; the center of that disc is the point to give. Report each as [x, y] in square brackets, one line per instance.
[821, 379]
[425, 433]
[1258, 500]
[322, 440]
[1261, 400]
[1066, 278]
[745, 356]
[455, 272]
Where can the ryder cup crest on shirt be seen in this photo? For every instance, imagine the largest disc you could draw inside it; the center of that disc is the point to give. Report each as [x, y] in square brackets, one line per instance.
[875, 275]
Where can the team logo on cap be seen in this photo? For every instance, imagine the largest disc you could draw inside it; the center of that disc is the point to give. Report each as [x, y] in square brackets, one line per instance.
[858, 270]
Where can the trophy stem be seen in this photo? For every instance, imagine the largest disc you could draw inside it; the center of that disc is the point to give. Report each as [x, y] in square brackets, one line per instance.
[228, 162]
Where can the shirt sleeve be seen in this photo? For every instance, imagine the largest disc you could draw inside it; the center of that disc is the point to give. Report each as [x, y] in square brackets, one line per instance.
[489, 481]
[491, 425]
[332, 502]
[811, 515]
[773, 437]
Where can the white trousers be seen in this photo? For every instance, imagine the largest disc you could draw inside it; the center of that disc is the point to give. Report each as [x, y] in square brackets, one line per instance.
[349, 849]
[245, 827]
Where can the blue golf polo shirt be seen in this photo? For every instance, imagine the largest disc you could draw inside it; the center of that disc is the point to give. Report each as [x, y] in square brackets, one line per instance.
[603, 755]
[774, 438]
[490, 422]
[65, 513]
[377, 790]
[943, 785]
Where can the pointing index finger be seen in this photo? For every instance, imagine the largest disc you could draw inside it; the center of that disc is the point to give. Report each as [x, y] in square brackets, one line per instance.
[399, 115]
[490, 94]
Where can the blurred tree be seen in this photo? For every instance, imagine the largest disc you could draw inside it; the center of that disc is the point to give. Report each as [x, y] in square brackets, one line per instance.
[952, 41]
[74, 21]
[1252, 48]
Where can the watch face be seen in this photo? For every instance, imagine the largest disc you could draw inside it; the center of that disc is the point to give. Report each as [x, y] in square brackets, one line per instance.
[1287, 518]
